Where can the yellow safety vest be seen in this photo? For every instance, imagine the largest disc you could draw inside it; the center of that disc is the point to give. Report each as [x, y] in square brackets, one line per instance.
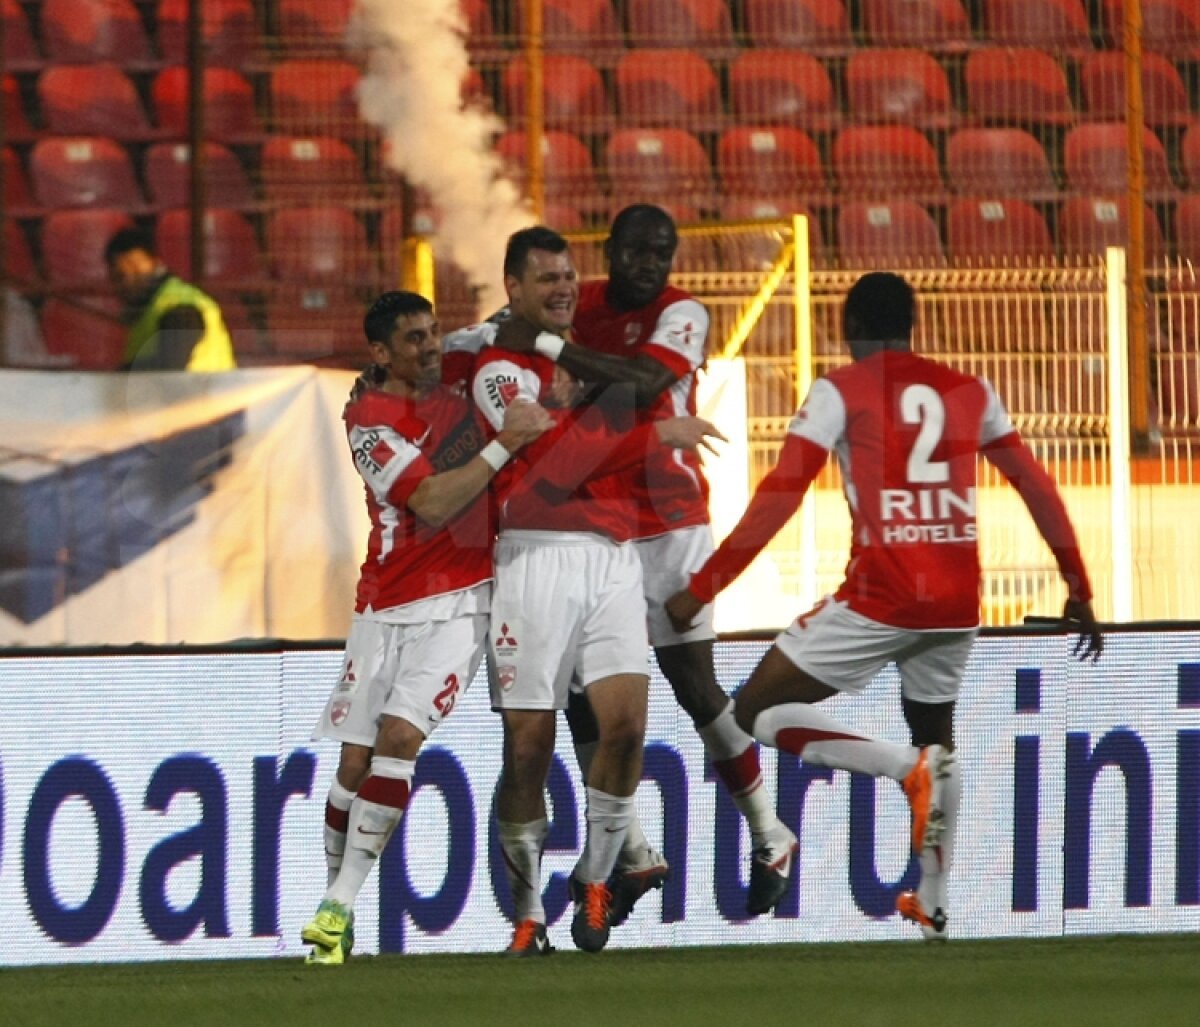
[214, 351]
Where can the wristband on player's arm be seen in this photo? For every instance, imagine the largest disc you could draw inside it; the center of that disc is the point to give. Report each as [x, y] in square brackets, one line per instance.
[495, 455]
[549, 345]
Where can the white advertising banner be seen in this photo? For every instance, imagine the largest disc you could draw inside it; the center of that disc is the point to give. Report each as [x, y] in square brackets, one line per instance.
[167, 508]
[169, 806]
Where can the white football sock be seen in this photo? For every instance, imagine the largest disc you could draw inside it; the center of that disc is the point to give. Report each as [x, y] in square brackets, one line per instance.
[936, 860]
[608, 818]
[817, 738]
[734, 755]
[337, 819]
[522, 847]
[374, 814]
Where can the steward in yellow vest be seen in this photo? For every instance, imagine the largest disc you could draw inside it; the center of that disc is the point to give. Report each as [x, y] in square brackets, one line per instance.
[173, 326]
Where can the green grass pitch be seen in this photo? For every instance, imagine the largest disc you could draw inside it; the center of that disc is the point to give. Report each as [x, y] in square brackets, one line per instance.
[1125, 980]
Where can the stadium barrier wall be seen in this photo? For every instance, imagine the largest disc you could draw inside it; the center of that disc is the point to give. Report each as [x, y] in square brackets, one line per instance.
[167, 804]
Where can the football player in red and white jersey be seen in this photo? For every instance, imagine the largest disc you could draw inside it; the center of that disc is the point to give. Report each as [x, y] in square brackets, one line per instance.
[635, 332]
[421, 612]
[906, 432]
[568, 603]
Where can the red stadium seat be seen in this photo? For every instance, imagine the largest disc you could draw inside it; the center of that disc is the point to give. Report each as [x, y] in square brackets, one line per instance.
[295, 167]
[666, 165]
[782, 87]
[313, 96]
[318, 244]
[1189, 157]
[581, 26]
[73, 243]
[982, 233]
[1017, 85]
[1095, 159]
[885, 160]
[16, 124]
[481, 27]
[1168, 26]
[313, 24]
[899, 233]
[905, 85]
[18, 258]
[1051, 24]
[229, 111]
[674, 87]
[230, 32]
[315, 324]
[18, 197]
[574, 94]
[83, 171]
[800, 24]
[1164, 96]
[923, 23]
[20, 51]
[763, 251]
[765, 162]
[92, 99]
[231, 250]
[81, 31]
[168, 176]
[1187, 229]
[567, 165]
[998, 162]
[701, 25]
[90, 330]
[1088, 224]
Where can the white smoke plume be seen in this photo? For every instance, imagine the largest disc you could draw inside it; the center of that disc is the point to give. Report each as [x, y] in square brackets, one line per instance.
[416, 63]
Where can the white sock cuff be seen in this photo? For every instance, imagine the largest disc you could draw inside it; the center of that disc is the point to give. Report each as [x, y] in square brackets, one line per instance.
[606, 804]
[391, 767]
[723, 738]
[340, 797]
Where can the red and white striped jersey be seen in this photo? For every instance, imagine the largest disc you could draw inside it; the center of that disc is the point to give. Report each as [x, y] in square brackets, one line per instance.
[569, 479]
[670, 488]
[397, 442]
[906, 432]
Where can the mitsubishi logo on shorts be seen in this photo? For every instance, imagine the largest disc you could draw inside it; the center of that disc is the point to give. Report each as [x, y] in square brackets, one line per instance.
[506, 642]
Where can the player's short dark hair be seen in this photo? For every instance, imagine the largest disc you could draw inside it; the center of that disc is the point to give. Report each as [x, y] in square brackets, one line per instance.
[380, 320]
[538, 237]
[128, 240]
[638, 214]
[884, 304]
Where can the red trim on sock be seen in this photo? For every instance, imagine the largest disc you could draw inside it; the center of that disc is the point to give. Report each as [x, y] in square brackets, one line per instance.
[385, 791]
[336, 819]
[794, 739]
[741, 774]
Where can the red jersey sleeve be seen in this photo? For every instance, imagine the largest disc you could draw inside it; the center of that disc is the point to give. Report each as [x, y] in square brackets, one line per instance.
[777, 497]
[1012, 458]
[583, 446]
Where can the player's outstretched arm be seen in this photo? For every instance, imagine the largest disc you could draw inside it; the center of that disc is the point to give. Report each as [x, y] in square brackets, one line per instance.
[1013, 459]
[777, 497]
[648, 376]
[440, 496]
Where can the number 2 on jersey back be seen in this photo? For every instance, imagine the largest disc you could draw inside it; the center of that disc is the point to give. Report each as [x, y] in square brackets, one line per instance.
[920, 404]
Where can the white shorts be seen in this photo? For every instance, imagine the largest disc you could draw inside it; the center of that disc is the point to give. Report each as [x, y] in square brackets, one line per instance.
[564, 605]
[844, 650]
[416, 672]
[668, 562]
